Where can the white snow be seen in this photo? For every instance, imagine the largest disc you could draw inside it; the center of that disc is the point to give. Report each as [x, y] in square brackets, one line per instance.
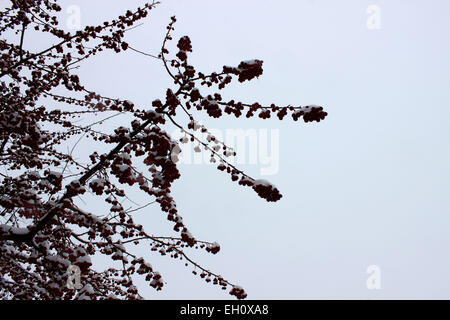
[263, 182]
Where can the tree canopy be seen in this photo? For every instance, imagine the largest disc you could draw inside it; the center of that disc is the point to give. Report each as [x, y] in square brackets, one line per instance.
[43, 232]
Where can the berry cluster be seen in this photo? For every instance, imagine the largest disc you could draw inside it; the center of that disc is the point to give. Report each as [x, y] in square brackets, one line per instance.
[246, 70]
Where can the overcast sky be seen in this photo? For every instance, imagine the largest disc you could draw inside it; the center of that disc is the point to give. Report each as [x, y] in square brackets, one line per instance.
[368, 186]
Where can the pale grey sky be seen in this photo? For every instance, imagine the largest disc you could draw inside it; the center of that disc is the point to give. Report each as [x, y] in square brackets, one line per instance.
[368, 186]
